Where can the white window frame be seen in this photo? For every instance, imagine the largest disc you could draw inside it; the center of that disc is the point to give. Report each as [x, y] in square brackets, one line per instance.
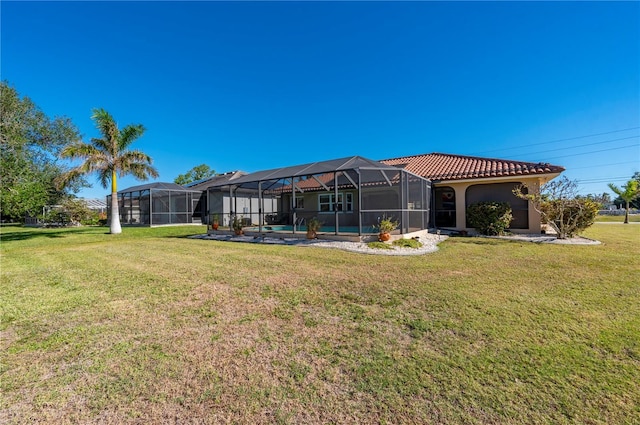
[344, 204]
[348, 202]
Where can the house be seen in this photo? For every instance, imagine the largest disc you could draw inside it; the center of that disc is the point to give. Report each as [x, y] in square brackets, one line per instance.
[459, 181]
[431, 190]
[351, 195]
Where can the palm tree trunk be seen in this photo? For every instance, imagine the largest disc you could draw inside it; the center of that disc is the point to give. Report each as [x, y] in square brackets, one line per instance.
[626, 213]
[114, 225]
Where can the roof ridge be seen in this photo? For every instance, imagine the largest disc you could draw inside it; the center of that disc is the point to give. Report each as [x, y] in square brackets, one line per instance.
[406, 156]
[483, 158]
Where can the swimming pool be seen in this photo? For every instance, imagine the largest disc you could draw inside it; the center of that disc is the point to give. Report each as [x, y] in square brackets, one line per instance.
[323, 229]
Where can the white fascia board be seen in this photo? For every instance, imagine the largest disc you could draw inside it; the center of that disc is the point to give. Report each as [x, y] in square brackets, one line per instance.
[547, 177]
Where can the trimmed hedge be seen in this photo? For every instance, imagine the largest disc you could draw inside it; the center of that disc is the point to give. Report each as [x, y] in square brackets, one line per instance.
[489, 218]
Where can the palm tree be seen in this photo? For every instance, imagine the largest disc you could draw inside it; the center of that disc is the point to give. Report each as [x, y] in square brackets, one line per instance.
[628, 193]
[110, 158]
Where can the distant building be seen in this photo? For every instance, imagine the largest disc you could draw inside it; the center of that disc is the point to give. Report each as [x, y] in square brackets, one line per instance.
[94, 204]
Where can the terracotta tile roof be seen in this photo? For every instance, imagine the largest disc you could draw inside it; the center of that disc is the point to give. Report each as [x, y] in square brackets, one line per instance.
[440, 166]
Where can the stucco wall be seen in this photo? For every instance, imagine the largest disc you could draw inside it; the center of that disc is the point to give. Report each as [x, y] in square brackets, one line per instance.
[460, 188]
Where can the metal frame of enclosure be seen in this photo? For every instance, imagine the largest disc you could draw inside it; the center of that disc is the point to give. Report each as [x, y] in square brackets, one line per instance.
[348, 195]
[157, 204]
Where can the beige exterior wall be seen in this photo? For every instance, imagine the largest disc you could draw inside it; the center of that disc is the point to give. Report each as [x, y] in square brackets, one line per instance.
[460, 188]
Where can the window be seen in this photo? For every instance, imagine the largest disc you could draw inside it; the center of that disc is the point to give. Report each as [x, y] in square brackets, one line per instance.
[349, 201]
[327, 203]
[299, 203]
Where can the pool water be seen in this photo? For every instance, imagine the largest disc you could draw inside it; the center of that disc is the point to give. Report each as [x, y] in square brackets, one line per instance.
[323, 229]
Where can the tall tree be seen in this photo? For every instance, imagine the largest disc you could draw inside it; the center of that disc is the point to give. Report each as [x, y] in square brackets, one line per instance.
[198, 172]
[110, 157]
[628, 192]
[29, 145]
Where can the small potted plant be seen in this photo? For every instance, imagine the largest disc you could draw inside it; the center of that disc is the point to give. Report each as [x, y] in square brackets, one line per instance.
[385, 227]
[215, 222]
[236, 224]
[313, 225]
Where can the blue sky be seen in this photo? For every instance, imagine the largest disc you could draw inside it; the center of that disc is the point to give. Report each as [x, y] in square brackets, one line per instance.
[257, 85]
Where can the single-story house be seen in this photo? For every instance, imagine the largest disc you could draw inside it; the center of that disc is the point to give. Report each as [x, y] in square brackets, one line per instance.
[348, 195]
[459, 181]
[420, 191]
[351, 195]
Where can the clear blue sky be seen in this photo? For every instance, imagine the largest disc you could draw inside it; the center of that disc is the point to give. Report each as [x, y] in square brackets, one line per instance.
[257, 85]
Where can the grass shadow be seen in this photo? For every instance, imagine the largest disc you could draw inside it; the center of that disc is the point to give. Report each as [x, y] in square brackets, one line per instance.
[18, 233]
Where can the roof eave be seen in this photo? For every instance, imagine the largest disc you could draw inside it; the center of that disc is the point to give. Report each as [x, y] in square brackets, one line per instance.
[544, 176]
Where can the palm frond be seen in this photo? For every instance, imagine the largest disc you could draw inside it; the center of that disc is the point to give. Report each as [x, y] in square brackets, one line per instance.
[65, 179]
[129, 134]
[134, 156]
[79, 150]
[138, 164]
[106, 124]
[104, 176]
[142, 171]
[102, 144]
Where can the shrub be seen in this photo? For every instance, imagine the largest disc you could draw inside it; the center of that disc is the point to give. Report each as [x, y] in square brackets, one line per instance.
[77, 210]
[102, 219]
[489, 218]
[379, 245]
[94, 219]
[56, 218]
[569, 218]
[560, 207]
[387, 224]
[407, 243]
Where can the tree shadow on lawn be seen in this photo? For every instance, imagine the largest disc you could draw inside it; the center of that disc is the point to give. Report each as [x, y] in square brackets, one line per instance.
[183, 236]
[9, 235]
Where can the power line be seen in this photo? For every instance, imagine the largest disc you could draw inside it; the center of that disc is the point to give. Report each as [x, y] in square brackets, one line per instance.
[604, 179]
[601, 150]
[607, 165]
[580, 146]
[559, 140]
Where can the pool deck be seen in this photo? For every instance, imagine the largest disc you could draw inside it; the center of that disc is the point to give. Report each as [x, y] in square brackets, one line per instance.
[321, 235]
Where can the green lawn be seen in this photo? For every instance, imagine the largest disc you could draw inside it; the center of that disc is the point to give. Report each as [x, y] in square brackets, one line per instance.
[633, 218]
[152, 327]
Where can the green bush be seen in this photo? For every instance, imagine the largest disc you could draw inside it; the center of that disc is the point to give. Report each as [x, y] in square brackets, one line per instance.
[56, 218]
[94, 219]
[570, 217]
[489, 218]
[407, 243]
[379, 245]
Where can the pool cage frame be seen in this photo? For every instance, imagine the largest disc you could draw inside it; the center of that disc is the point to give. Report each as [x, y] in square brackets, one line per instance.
[348, 195]
[157, 204]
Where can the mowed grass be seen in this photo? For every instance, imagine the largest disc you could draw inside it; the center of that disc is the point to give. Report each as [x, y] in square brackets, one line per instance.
[152, 327]
[633, 218]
